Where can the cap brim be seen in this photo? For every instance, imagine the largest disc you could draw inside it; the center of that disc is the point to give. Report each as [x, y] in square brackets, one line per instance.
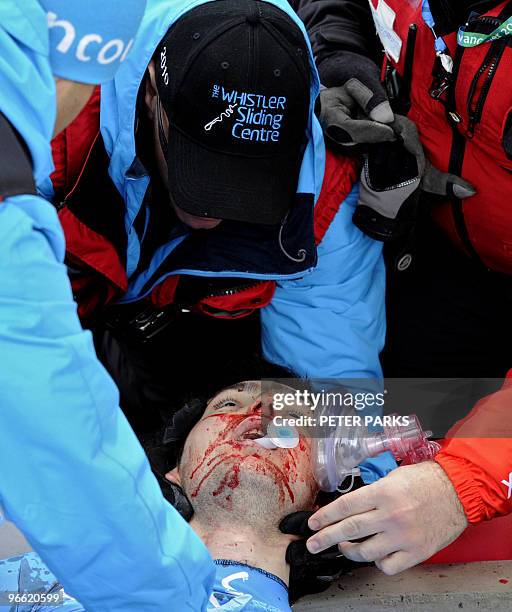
[216, 185]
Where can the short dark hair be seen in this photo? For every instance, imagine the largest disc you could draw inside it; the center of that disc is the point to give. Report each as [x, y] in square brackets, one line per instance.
[190, 406]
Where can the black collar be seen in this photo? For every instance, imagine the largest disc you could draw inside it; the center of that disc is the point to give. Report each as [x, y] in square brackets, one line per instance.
[449, 15]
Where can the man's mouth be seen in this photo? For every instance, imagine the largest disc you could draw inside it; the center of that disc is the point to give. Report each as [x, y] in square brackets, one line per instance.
[249, 429]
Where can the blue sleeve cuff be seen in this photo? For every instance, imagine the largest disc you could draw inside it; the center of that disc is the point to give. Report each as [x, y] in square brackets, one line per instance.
[377, 467]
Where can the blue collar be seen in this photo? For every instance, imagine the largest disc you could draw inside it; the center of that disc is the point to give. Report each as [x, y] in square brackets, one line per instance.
[241, 587]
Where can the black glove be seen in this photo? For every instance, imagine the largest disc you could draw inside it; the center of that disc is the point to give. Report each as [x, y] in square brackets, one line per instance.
[356, 112]
[392, 181]
[183, 420]
[164, 447]
[175, 495]
[311, 573]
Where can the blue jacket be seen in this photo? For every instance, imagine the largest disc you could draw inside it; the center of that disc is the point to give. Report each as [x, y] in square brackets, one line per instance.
[237, 587]
[73, 476]
[325, 321]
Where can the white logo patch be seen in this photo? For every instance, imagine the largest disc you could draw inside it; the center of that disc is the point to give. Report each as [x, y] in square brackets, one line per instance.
[508, 483]
[163, 66]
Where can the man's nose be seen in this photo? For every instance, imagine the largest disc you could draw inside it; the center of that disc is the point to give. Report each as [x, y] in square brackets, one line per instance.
[263, 408]
[255, 407]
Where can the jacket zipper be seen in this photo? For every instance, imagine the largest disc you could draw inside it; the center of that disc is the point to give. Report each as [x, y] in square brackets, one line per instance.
[458, 150]
[59, 205]
[457, 154]
[232, 291]
[487, 71]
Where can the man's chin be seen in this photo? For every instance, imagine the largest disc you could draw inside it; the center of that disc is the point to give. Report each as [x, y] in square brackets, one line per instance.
[243, 480]
[205, 224]
[195, 222]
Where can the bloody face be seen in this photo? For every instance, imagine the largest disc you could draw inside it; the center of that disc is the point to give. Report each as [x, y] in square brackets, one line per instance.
[222, 463]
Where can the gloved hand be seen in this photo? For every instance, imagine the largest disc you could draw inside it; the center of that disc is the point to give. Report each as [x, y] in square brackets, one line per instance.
[356, 112]
[392, 180]
[310, 573]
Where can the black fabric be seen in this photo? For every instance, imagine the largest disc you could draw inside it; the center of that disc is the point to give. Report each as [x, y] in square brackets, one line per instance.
[188, 359]
[507, 136]
[15, 163]
[234, 80]
[449, 15]
[335, 26]
[243, 247]
[390, 164]
[314, 573]
[338, 25]
[447, 317]
[193, 289]
[175, 495]
[97, 203]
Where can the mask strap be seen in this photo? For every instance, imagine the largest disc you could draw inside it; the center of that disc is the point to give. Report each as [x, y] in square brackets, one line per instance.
[164, 143]
[355, 472]
[301, 253]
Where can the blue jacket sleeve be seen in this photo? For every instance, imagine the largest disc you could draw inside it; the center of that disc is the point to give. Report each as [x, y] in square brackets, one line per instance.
[73, 476]
[332, 322]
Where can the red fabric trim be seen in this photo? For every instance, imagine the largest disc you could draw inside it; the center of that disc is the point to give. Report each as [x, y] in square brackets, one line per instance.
[247, 300]
[477, 456]
[70, 188]
[250, 299]
[94, 250]
[340, 175]
[71, 147]
[481, 496]
[163, 294]
[92, 292]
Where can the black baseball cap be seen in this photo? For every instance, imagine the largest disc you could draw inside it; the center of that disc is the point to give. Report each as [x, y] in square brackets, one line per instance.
[234, 79]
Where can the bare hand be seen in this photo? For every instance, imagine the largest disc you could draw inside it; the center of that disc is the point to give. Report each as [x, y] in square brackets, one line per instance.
[409, 515]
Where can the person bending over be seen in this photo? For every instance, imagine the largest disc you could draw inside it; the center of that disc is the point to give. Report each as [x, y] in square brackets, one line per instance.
[209, 195]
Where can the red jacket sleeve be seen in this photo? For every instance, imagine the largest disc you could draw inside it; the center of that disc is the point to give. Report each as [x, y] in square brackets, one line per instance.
[477, 457]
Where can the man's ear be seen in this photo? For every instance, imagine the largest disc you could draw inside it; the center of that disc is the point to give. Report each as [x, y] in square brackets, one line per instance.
[151, 91]
[174, 476]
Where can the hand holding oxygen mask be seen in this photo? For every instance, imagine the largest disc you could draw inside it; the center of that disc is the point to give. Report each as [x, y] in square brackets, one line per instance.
[339, 454]
[336, 457]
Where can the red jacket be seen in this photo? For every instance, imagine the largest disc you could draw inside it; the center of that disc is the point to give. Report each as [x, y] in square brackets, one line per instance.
[477, 455]
[465, 134]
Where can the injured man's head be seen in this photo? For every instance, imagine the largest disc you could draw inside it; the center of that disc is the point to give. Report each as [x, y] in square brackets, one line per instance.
[239, 490]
